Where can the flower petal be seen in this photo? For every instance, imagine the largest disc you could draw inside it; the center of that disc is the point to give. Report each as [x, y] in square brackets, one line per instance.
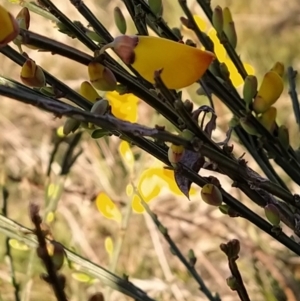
[126, 154]
[269, 91]
[107, 207]
[200, 23]
[136, 205]
[182, 64]
[219, 49]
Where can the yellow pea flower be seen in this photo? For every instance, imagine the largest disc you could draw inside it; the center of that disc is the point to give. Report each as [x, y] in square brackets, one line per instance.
[123, 106]
[107, 207]
[221, 54]
[182, 65]
[270, 90]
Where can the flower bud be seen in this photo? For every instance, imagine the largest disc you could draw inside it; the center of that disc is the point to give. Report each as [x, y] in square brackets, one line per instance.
[156, 6]
[217, 19]
[101, 77]
[70, 126]
[88, 92]
[175, 154]
[188, 105]
[57, 254]
[192, 257]
[268, 93]
[187, 134]
[272, 214]
[250, 89]
[211, 195]
[100, 107]
[232, 283]
[229, 27]
[55, 251]
[120, 20]
[283, 136]
[9, 27]
[23, 18]
[248, 127]
[32, 75]
[278, 68]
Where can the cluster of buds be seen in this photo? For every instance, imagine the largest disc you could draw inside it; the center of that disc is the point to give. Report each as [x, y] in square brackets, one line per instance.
[223, 23]
[261, 101]
[272, 214]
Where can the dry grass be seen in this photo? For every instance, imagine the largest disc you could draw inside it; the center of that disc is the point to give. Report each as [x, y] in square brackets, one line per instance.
[266, 35]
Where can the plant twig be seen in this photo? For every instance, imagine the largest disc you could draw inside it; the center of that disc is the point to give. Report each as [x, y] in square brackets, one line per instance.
[292, 74]
[175, 250]
[231, 249]
[53, 277]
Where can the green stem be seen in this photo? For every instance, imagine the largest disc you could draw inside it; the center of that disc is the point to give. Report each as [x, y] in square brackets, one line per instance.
[175, 250]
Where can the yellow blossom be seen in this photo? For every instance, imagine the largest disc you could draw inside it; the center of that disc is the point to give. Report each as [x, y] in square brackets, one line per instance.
[123, 106]
[222, 54]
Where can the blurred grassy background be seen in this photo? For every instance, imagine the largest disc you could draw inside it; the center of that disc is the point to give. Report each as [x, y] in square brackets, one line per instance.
[267, 32]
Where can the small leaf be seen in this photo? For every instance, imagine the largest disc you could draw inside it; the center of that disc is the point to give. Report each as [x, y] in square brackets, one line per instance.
[18, 245]
[50, 217]
[81, 277]
[120, 20]
[192, 160]
[107, 207]
[136, 204]
[99, 133]
[126, 154]
[129, 190]
[109, 246]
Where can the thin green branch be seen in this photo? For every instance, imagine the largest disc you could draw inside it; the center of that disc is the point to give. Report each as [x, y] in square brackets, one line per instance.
[175, 250]
[93, 21]
[166, 31]
[206, 7]
[231, 249]
[71, 27]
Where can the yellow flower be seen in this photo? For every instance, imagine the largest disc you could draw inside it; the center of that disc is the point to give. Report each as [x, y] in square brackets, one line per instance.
[123, 106]
[151, 183]
[221, 54]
